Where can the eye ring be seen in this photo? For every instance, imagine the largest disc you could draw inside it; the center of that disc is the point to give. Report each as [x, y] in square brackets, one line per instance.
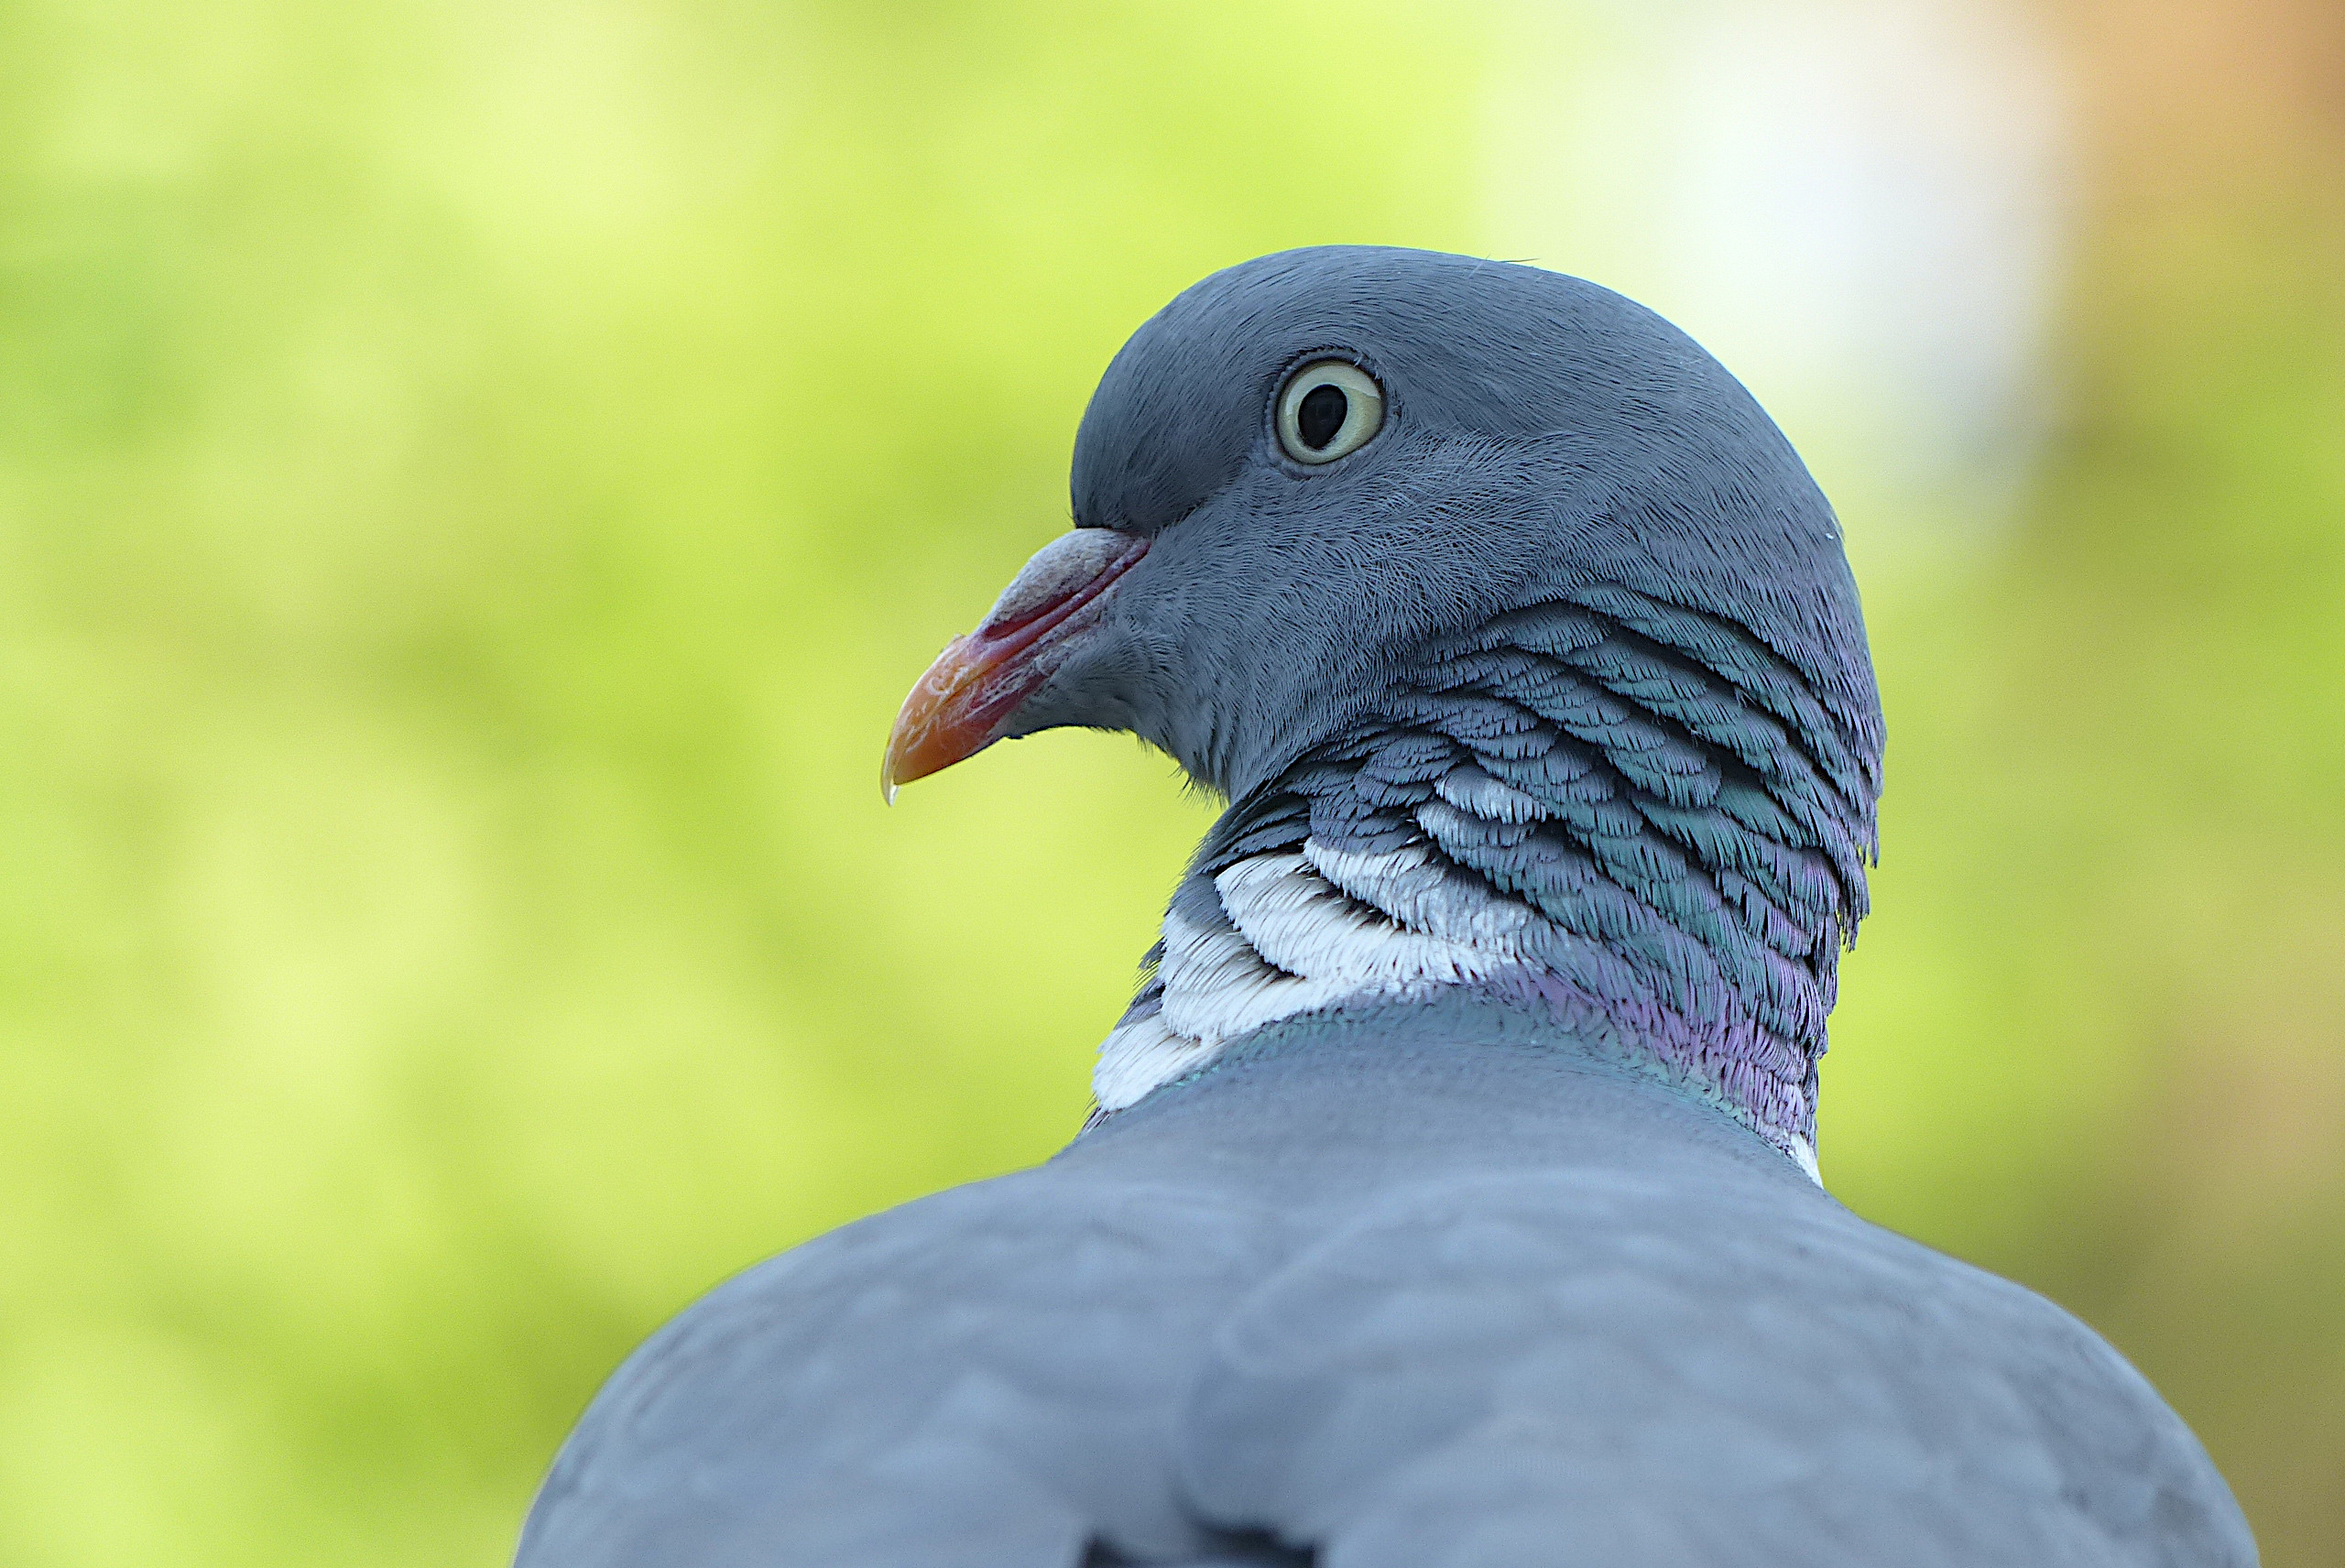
[1328, 409]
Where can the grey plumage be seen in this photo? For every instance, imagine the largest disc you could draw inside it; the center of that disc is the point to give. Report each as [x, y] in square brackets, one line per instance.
[1500, 1302]
[1552, 748]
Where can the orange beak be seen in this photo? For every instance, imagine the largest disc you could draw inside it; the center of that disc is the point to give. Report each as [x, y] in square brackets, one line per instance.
[963, 703]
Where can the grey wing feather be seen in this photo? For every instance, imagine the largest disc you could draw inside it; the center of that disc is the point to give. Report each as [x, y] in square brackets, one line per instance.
[1473, 1309]
[982, 1378]
[1605, 1372]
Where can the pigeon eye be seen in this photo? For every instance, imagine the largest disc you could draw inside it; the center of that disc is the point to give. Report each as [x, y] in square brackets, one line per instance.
[1328, 409]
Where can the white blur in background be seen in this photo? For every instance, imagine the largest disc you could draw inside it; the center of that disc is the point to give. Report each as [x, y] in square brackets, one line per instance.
[1861, 206]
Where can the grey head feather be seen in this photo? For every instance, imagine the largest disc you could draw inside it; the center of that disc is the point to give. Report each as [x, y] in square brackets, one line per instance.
[1574, 636]
[1543, 433]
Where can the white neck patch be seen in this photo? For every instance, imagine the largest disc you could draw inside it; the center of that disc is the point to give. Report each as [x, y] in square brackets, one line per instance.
[1307, 930]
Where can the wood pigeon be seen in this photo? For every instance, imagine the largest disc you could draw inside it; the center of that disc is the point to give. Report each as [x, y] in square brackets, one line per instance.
[1451, 1200]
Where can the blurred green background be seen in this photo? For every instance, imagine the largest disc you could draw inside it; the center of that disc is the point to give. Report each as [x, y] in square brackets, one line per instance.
[475, 481]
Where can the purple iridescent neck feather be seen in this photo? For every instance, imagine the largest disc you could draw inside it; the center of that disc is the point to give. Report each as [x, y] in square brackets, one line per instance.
[1634, 811]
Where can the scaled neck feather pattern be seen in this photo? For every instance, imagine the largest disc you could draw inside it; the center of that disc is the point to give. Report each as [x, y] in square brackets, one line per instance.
[1631, 810]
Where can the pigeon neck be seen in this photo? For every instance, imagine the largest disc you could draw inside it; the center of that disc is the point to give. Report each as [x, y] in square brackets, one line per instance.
[1628, 810]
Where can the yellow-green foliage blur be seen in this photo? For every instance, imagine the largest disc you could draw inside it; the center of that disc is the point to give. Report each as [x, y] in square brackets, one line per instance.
[476, 479]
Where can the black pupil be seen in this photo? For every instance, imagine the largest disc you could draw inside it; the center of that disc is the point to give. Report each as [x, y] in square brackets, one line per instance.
[1321, 415]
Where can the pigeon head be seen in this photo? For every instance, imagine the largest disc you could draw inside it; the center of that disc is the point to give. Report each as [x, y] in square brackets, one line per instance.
[1518, 639]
